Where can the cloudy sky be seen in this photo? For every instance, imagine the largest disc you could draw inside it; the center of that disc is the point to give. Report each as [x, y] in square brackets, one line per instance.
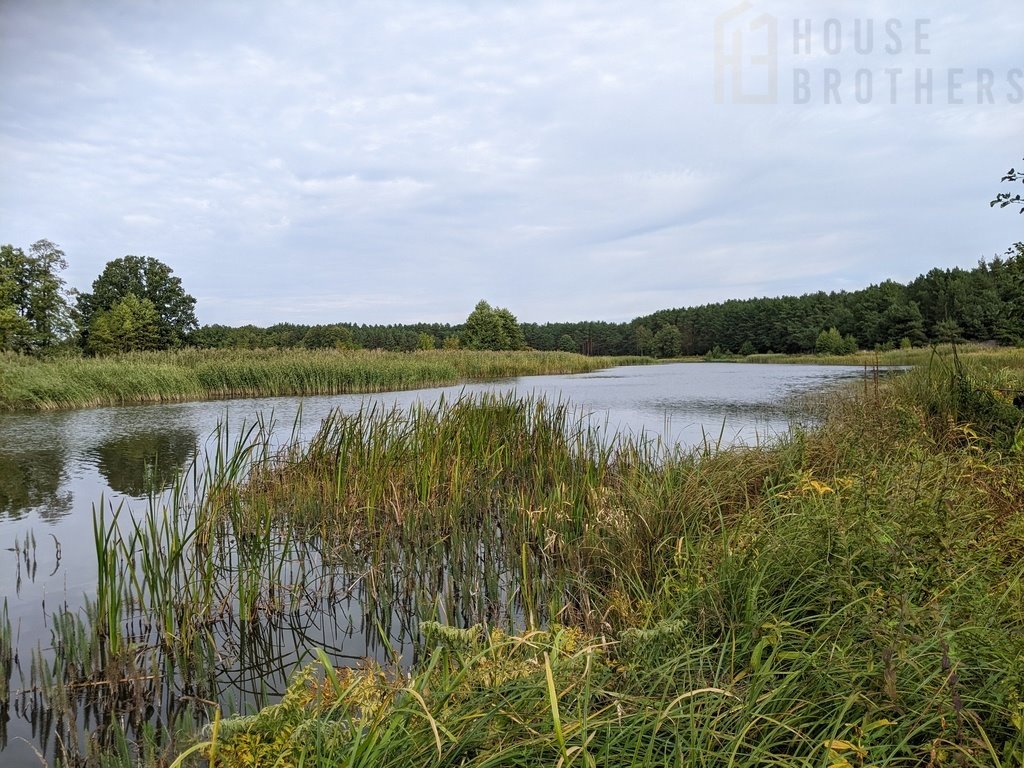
[595, 159]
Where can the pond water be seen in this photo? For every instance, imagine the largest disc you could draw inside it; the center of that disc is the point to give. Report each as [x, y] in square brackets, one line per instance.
[56, 468]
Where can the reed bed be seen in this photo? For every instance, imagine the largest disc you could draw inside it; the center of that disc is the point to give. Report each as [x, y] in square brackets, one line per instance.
[191, 374]
[850, 597]
[531, 590]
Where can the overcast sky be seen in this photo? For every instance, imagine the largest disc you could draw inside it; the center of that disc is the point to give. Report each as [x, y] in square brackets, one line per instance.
[397, 161]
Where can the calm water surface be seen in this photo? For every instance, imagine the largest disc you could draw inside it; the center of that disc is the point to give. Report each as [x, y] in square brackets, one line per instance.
[55, 468]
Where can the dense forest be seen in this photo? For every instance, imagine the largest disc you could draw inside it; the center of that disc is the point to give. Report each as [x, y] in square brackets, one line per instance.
[138, 304]
[981, 304]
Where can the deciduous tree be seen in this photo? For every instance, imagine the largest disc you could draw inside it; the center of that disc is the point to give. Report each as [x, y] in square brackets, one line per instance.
[145, 278]
[130, 325]
[492, 328]
[668, 341]
[34, 310]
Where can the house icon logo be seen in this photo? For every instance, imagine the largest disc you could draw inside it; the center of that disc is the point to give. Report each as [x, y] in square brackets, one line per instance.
[746, 56]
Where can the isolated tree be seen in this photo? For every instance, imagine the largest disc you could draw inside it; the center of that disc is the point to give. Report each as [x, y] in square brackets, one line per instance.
[668, 341]
[34, 311]
[492, 328]
[831, 342]
[1004, 199]
[145, 278]
[131, 325]
[425, 341]
[828, 342]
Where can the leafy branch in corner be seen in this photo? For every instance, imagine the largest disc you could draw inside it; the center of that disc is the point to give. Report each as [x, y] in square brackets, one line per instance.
[1004, 199]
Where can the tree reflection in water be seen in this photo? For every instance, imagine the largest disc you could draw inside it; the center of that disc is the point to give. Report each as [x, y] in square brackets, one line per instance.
[33, 480]
[146, 462]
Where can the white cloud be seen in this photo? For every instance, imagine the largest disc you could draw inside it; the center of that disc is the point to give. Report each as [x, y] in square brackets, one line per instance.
[390, 162]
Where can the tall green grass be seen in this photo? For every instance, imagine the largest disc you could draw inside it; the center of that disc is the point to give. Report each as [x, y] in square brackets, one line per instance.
[27, 383]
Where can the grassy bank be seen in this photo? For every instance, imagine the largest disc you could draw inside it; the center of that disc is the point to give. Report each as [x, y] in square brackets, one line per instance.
[850, 597]
[985, 354]
[30, 384]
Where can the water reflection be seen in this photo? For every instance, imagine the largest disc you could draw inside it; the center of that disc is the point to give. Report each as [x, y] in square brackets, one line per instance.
[34, 480]
[145, 462]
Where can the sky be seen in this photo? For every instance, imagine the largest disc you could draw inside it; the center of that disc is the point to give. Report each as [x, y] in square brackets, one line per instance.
[395, 162]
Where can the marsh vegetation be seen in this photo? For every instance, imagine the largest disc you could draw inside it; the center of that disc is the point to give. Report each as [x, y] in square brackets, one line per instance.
[533, 591]
[170, 376]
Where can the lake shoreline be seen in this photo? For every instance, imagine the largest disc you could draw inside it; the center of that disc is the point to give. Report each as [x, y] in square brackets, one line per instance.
[197, 375]
[1004, 355]
[192, 375]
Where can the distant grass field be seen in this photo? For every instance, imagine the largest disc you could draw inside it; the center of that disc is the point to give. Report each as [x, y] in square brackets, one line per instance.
[986, 354]
[74, 382]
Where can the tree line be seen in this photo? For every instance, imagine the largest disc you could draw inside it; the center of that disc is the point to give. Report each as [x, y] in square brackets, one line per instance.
[981, 304]
[137, 303]
[486, 327]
